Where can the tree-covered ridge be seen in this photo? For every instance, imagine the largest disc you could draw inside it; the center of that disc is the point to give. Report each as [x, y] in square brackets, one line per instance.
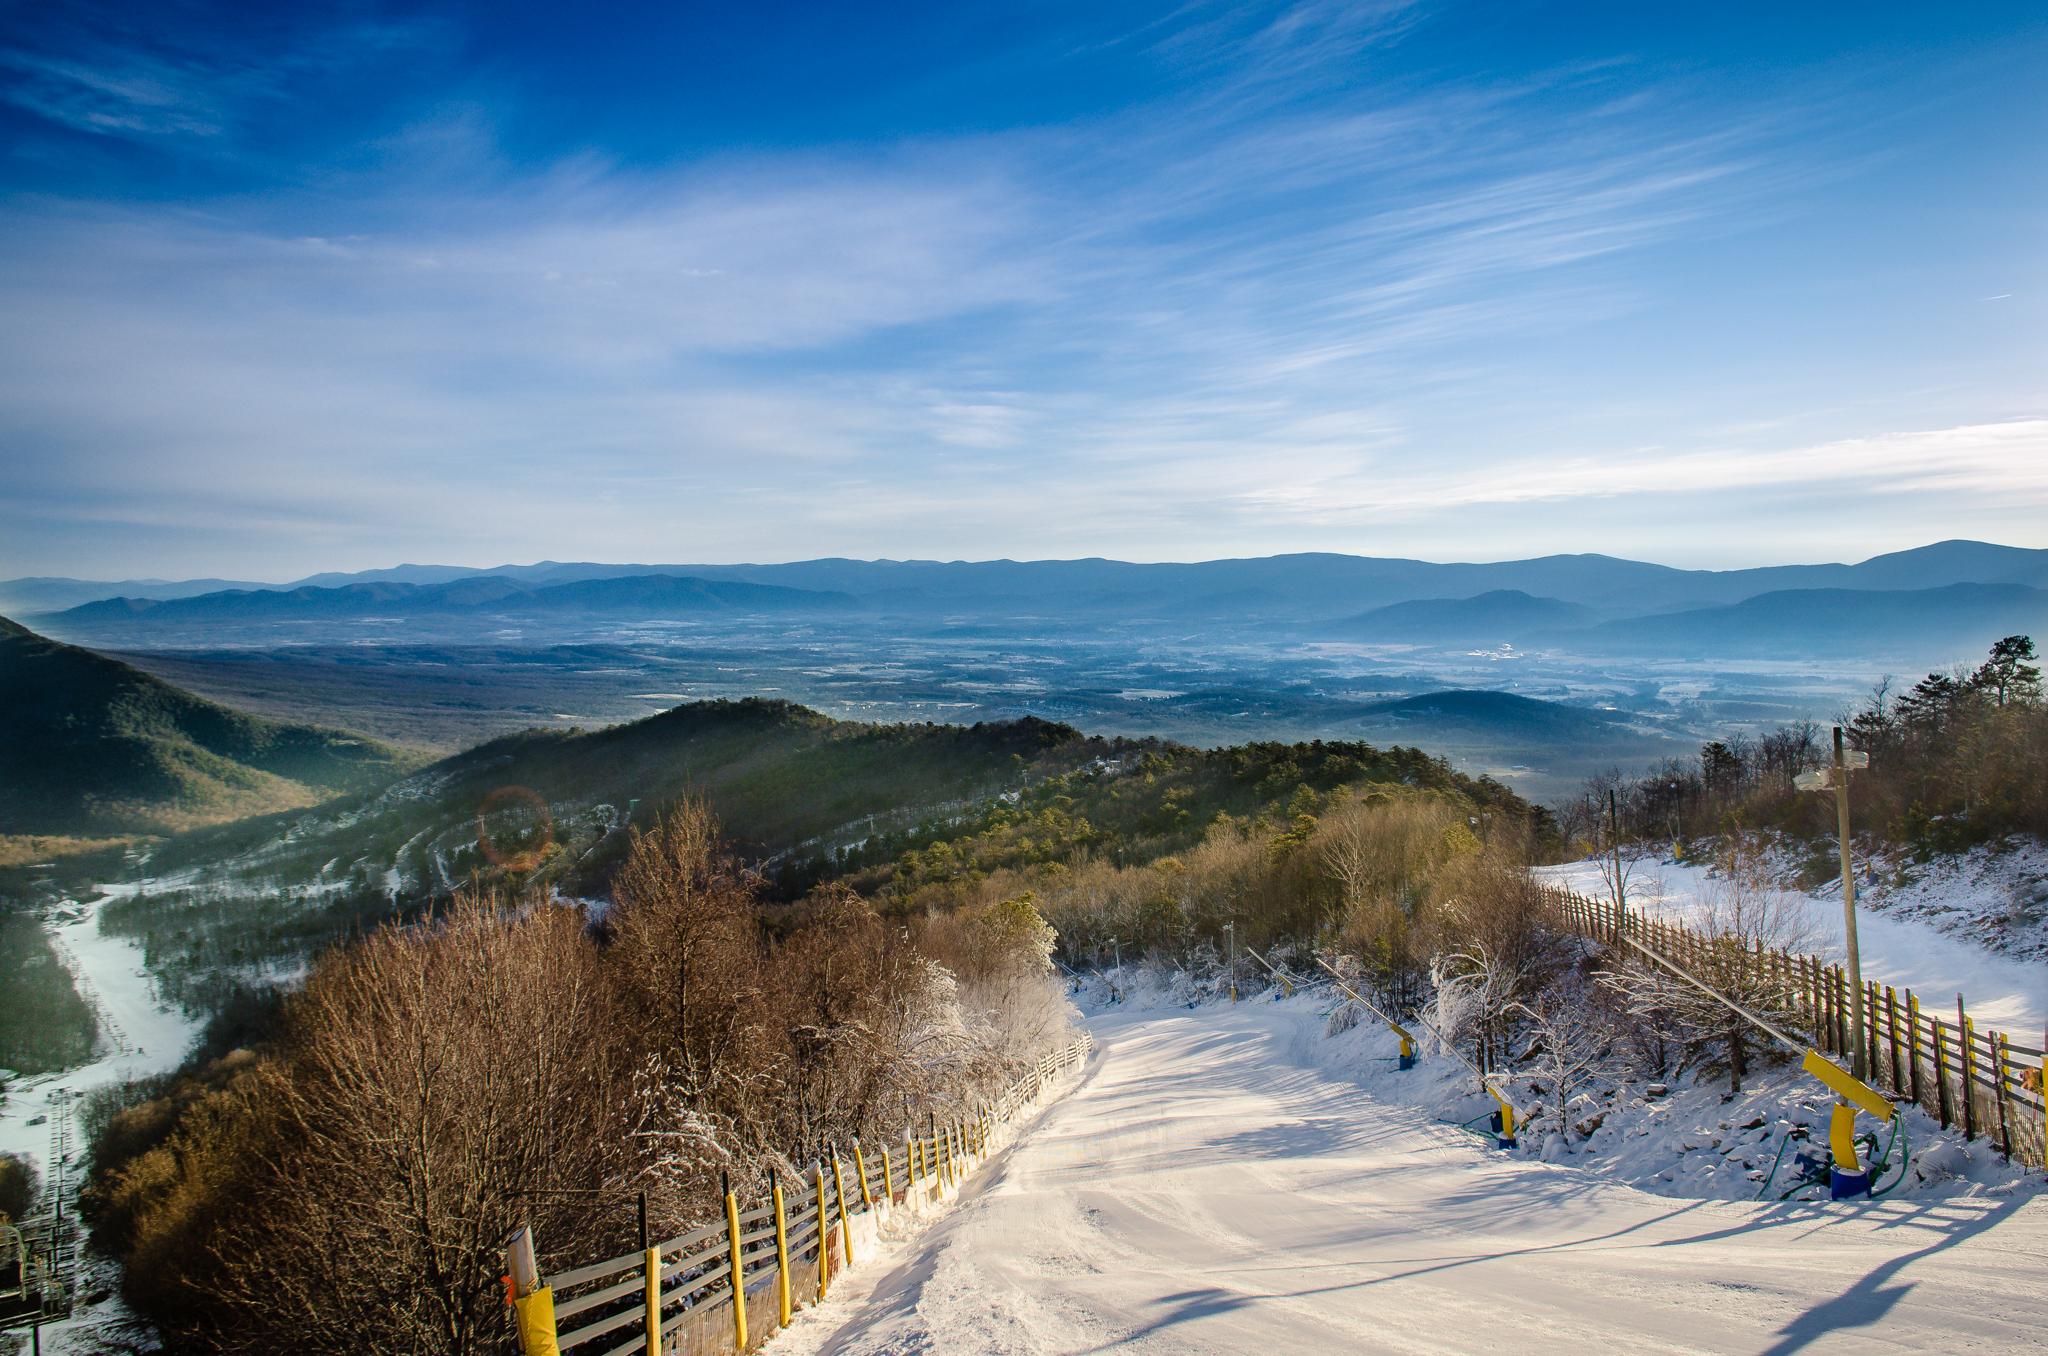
[92, 745]
[1959, 758]
[1162, 799]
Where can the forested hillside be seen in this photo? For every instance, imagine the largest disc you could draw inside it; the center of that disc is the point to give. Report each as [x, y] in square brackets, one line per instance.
[93, 746]
[707, 1014]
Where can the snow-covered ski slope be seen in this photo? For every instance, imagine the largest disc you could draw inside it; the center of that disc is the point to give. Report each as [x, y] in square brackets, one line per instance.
[1205, 1188]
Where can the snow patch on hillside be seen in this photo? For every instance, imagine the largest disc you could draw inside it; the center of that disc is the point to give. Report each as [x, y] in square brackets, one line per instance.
[1974, 924]
[1994, 896]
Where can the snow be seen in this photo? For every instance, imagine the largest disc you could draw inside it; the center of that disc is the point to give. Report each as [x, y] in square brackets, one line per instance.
[139, 1034]
[1897, 931]
[1212, 1186]
[1995, 896]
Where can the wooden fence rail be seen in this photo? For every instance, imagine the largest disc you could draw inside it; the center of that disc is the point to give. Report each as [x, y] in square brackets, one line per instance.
[1979, 1080]
[677, 1297]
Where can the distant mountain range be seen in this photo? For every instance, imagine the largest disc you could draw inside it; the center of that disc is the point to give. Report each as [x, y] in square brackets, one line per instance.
[1957, 617]
[649, 594]
[1950, 595]
[93, 746]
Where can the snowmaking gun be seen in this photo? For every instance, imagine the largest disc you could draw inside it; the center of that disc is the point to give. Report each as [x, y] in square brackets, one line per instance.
[1501, 1122]
[1846, 1172]
[1407, 1055]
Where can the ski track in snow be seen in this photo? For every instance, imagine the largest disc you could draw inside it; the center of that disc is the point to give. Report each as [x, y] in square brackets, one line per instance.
[2004, 993]
[1205, 1189]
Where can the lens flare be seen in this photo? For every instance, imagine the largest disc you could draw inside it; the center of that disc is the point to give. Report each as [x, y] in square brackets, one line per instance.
[514, 828]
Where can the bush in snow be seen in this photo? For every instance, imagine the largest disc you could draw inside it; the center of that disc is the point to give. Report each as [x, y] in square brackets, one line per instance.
[1742, 915]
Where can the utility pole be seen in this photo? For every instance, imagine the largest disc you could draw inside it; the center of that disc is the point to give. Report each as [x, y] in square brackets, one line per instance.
[1836, 778]
[1849, 911]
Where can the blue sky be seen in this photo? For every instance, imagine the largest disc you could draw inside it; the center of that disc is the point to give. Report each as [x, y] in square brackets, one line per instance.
[344, 285]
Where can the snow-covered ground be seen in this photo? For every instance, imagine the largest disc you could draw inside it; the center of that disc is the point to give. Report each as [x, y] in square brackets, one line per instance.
[139, 1033]
[1927, 933]
[1212, 1186]
[1679, 1135]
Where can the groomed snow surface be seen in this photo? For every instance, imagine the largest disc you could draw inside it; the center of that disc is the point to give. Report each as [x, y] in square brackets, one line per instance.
[1210, 1185]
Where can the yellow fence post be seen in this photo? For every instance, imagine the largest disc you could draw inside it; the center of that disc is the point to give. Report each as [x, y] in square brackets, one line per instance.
[739, 1278]
[533, 1304]
[783, 1303]
[650, 1263]
[839, 1193]
[888, 1180]
[824, 1234]
[860, 1166]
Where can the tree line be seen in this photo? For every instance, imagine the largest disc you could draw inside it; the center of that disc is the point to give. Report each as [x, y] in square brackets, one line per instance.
[348, 1182]
[1957, 759]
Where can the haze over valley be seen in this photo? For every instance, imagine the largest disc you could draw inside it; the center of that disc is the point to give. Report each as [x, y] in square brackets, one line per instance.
[1632, 661]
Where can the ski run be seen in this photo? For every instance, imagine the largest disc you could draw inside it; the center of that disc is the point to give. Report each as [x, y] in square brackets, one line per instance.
[1209, 1185]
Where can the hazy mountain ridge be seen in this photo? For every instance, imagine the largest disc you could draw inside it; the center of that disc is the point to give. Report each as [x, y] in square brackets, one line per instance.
[657, 593]
[1483, 619]
[1301, 586]
[1817, 622]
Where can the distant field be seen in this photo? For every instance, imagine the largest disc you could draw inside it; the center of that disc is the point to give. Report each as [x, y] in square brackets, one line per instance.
[445, 695]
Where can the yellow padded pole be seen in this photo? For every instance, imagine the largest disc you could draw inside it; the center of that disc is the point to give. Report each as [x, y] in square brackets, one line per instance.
[739, 1279]
[535, 1315]
[533, 1303]
[824, 1235]
[784, 1304]
[860, 1165]
[650, 1265]
[845, 1229]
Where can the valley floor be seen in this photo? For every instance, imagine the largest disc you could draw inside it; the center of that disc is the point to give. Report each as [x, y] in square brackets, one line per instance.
[1205, 1188]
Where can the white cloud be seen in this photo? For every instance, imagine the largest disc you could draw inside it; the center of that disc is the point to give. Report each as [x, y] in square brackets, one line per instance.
[1243, 320]
[2004, 463]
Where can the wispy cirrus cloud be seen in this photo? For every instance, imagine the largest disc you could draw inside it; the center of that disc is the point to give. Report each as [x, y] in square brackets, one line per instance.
[163, 71]
[2004, 461]
[1276, 306]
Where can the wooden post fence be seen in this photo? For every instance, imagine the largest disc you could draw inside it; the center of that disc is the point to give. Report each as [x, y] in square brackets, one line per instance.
[1912, 1054]
[665, 1298]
